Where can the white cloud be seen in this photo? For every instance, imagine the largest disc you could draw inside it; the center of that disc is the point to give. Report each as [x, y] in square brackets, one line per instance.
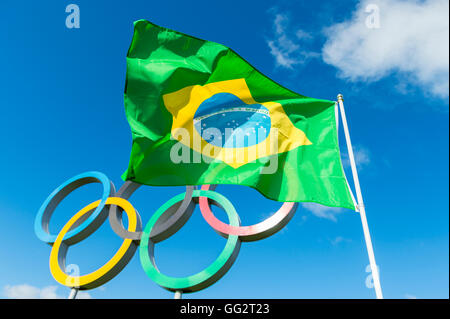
[300, 34]
[286, 46]
[338, 240]
[83, 295]
[361, 154]
[408, 296]
[280, 23]
[323, 211]
[26, 291]
[21, 291]
[412, 41]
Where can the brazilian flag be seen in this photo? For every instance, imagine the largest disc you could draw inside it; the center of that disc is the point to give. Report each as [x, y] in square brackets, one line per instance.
[201, 114]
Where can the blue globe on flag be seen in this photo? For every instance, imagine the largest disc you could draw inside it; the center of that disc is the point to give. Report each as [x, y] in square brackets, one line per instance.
[224, 120]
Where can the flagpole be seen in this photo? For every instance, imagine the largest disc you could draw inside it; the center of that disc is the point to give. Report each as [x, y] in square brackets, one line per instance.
[362, 210]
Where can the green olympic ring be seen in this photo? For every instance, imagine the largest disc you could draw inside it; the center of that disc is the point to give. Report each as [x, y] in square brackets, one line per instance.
[204, 278]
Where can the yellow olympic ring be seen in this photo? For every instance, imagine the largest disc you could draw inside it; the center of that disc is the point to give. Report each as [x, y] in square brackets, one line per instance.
[107, 271]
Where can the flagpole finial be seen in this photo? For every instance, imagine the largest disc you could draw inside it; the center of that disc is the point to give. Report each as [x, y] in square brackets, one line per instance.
[340, 97]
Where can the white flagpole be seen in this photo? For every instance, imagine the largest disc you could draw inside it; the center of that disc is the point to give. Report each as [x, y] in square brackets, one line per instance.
[362, 211]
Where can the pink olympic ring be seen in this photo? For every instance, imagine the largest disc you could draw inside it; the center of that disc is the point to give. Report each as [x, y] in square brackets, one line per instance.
[254, 232]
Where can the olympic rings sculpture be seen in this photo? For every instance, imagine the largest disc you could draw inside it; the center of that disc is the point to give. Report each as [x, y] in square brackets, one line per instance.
[165, 222]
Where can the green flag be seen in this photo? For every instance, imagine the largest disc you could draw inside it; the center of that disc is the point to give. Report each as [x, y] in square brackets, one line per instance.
[200, 114]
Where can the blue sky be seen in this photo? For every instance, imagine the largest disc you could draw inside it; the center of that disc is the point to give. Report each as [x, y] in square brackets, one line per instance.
[62, 114]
